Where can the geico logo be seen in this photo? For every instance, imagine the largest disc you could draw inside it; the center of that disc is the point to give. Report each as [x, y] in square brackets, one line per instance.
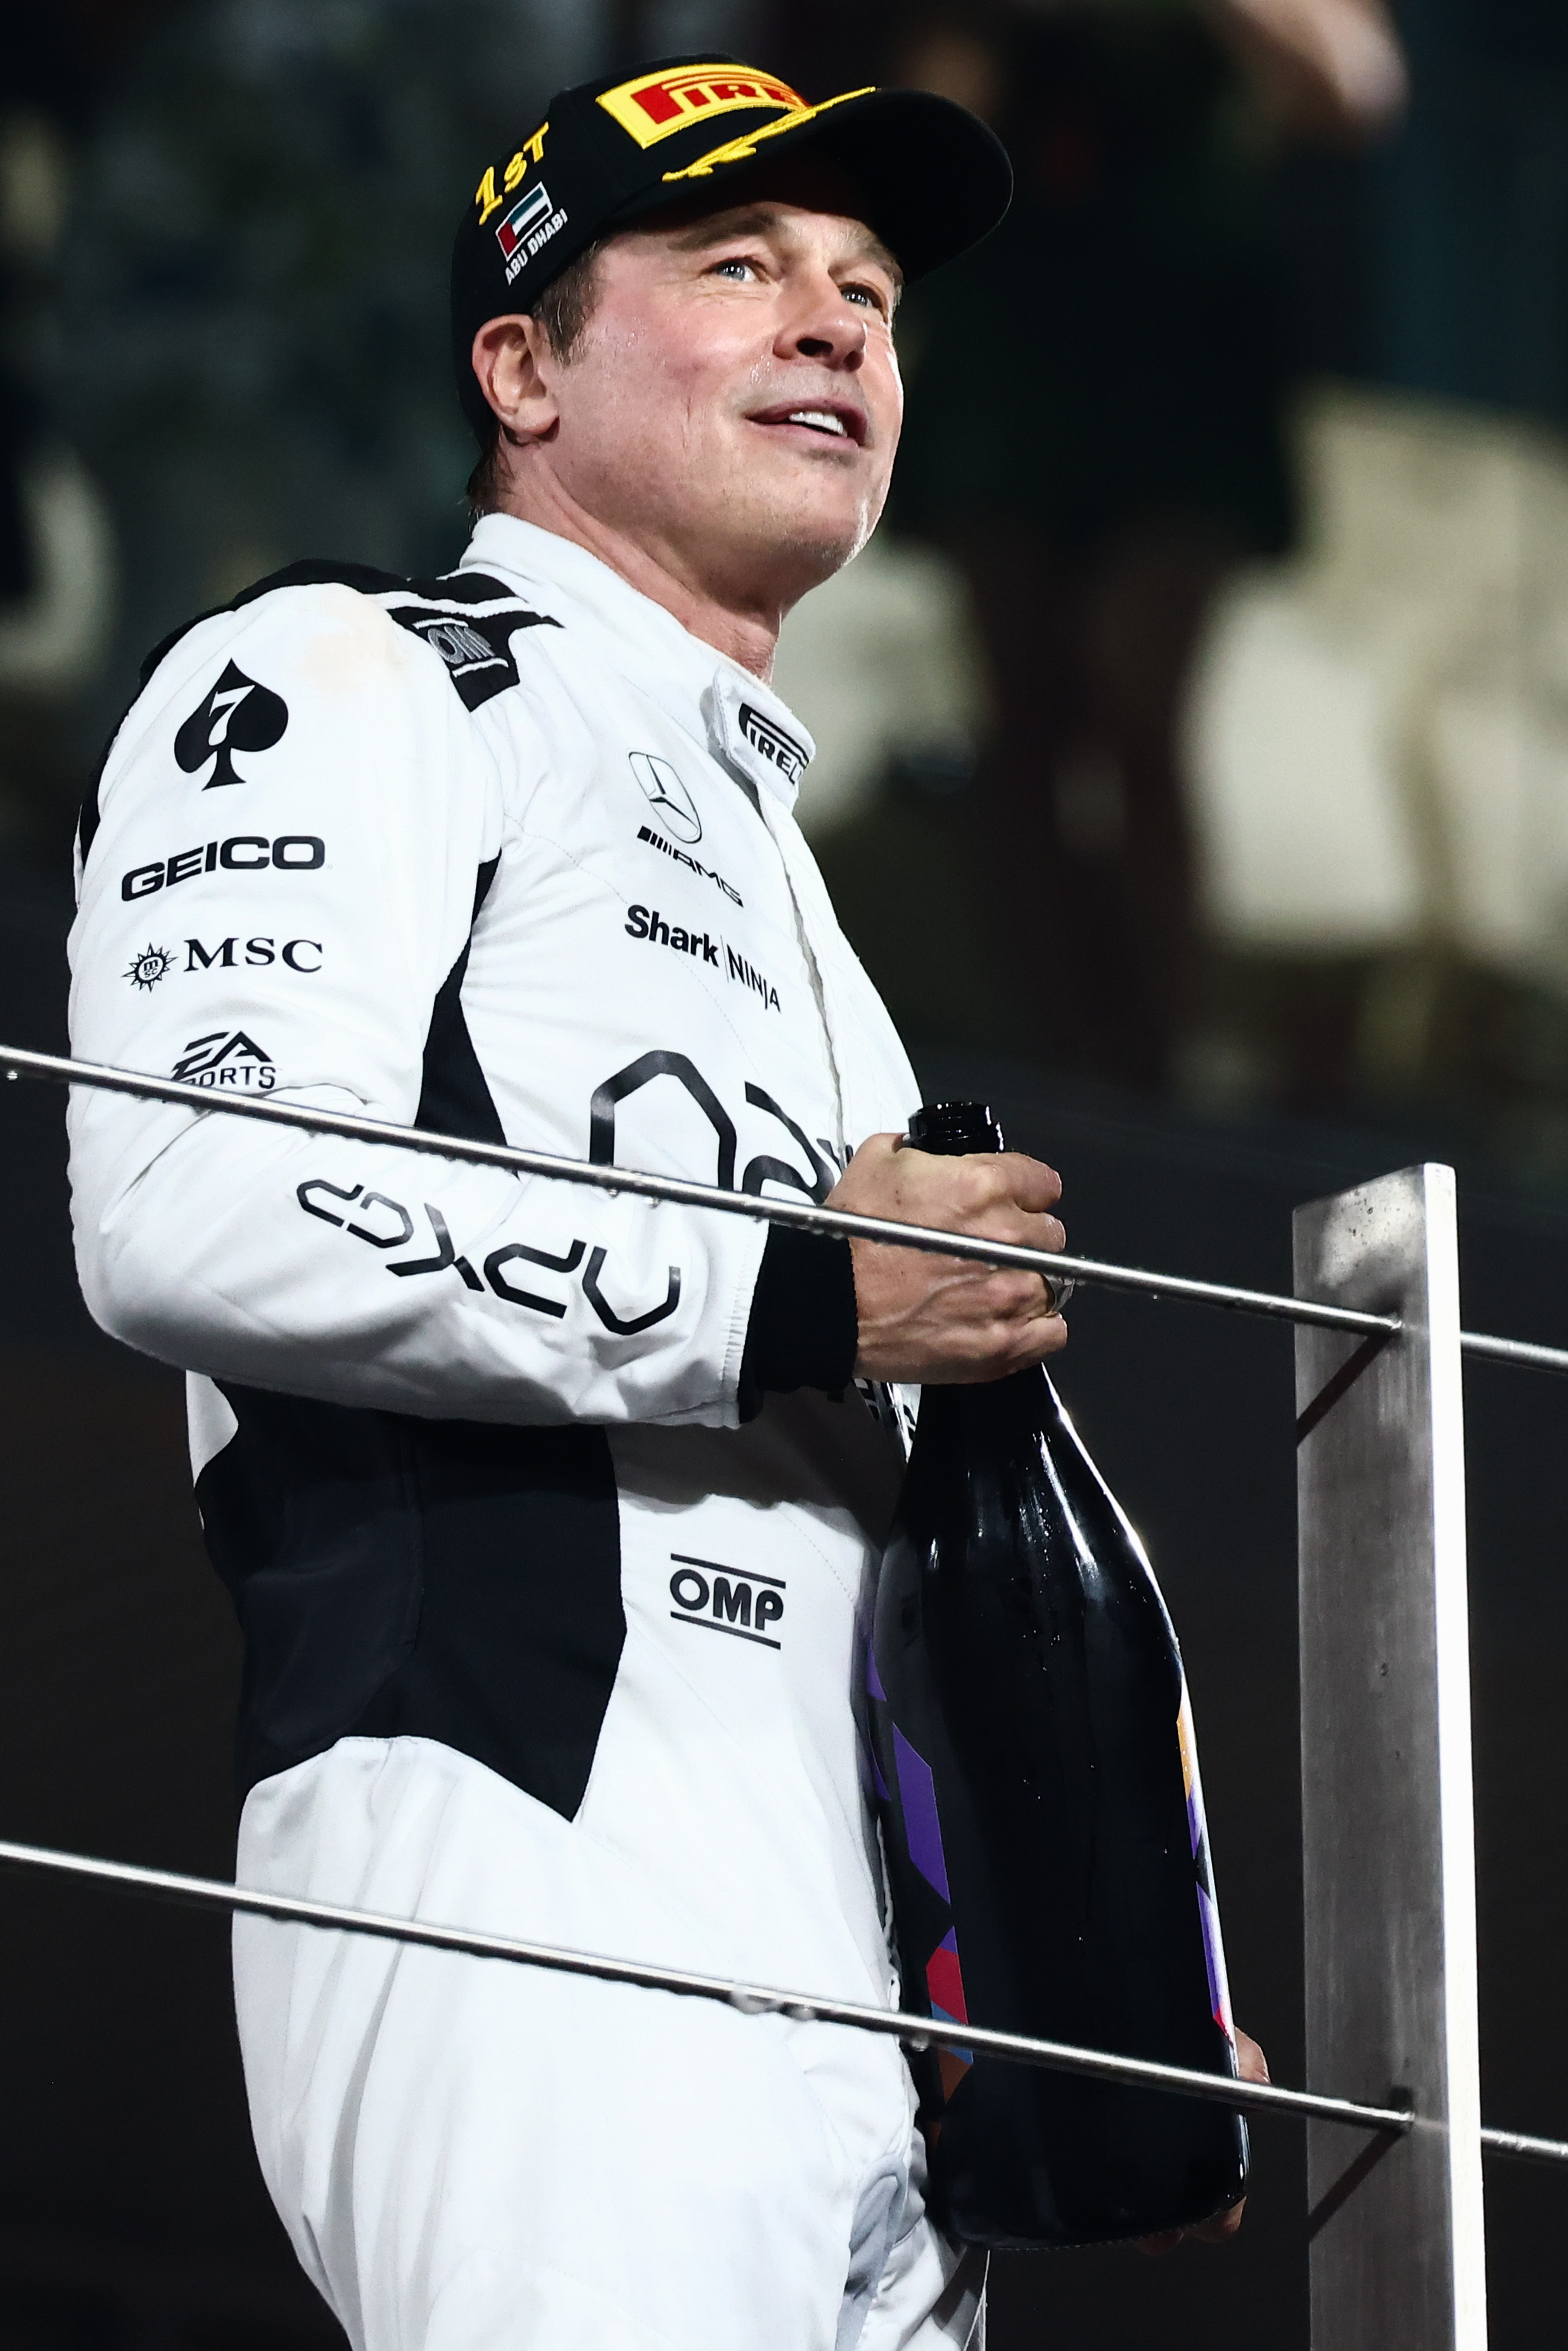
[243, 853]
[720, 1599]
[369, 1223]
[300, 954]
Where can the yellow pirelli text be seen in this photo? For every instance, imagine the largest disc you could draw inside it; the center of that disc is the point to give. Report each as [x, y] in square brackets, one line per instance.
[655, 106]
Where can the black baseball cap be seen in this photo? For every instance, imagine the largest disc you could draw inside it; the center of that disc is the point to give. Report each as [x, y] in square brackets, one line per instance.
[934, 179]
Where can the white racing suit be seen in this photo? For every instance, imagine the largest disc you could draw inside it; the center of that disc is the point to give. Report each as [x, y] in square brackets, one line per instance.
[509, 854]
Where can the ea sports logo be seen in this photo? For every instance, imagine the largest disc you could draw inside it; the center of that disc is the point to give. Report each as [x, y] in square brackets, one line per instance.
[673, 805]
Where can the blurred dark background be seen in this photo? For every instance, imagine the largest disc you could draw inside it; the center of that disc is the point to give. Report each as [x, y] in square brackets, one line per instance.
[1193, 777]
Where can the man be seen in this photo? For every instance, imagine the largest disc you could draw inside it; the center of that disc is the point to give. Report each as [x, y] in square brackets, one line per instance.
[510, 854]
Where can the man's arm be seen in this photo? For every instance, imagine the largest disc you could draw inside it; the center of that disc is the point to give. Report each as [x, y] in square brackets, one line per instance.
[359, 1274]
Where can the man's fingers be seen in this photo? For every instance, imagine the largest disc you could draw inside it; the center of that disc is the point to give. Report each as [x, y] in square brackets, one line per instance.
[1252, 2066]
[941, 1318]
[1250, 2062]
[1029, 1182]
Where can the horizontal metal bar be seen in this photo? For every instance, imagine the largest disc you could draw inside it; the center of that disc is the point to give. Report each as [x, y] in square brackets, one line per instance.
[751, 2000]
[804, 1215]
[1515, 1351]
[1520, 2144]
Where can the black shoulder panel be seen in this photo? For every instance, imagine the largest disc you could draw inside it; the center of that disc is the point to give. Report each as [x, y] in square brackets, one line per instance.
[477, 647]
[397, 1577]
[476, 662]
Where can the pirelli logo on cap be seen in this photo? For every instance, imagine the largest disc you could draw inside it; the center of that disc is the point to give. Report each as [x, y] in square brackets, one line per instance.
[655, 106]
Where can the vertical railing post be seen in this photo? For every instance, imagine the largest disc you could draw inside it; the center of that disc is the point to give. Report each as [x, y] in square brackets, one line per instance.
[1398, 2251]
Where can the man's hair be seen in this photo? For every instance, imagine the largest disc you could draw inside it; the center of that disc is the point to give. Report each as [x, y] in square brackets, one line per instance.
[563, 311]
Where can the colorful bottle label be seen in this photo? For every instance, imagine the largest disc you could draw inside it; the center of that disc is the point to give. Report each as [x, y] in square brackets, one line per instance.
[915, 1794]
[1207, 1909]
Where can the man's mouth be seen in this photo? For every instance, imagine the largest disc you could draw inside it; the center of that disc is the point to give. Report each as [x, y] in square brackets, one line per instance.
[833, 424]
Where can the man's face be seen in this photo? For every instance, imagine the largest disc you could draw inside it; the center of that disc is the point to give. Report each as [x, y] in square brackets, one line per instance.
[734, 403]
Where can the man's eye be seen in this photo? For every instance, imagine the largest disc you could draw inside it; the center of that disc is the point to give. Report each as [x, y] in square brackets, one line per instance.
[866, 294]
[734, 269]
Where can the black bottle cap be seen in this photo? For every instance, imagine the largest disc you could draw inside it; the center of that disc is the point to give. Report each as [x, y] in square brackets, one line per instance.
[952, 1128]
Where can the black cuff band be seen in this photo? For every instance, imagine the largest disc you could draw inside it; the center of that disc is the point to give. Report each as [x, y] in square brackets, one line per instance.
[804, 1331]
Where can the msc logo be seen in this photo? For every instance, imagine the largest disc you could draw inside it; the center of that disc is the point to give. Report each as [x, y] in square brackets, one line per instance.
[672, 804]
[151, 964]
[655, 106]
[725, 1599]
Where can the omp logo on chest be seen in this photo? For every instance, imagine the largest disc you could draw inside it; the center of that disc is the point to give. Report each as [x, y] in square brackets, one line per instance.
[720, 1599]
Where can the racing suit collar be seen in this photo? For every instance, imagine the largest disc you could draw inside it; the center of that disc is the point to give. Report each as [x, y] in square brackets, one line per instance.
[733, 715]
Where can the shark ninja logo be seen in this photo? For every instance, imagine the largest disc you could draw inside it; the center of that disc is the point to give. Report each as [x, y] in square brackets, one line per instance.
[237, 716]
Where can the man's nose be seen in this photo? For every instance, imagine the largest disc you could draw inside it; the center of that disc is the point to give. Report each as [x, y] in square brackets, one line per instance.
[826, 329]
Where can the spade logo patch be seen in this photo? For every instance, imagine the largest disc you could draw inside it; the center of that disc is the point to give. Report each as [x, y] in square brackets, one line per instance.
[237, 716]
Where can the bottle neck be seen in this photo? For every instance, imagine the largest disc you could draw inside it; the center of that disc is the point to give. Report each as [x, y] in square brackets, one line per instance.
[1024, 1400]
[951, 1129]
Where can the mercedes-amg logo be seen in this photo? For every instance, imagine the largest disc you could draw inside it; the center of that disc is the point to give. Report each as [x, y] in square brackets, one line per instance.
[672, 804]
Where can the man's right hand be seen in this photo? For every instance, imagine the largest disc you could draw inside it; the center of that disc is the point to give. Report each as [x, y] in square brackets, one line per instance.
[941, 1320]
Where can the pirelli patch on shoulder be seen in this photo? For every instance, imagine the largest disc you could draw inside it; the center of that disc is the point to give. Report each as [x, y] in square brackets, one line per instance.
[469, 623]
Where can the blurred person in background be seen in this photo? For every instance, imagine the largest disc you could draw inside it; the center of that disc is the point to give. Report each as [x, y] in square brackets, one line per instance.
[55, 555]
[257, 233]
[1119, 453]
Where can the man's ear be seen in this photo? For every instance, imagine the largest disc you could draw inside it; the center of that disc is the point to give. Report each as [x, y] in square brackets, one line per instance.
[513, 361]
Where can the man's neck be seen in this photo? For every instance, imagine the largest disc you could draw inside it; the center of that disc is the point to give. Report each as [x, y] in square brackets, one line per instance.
[748, 635]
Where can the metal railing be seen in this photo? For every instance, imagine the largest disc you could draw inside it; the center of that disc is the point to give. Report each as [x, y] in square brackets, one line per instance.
[1398, 2119]
[805, 1215]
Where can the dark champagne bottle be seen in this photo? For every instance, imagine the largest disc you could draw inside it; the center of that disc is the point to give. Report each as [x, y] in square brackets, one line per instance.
[1043, 1817]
